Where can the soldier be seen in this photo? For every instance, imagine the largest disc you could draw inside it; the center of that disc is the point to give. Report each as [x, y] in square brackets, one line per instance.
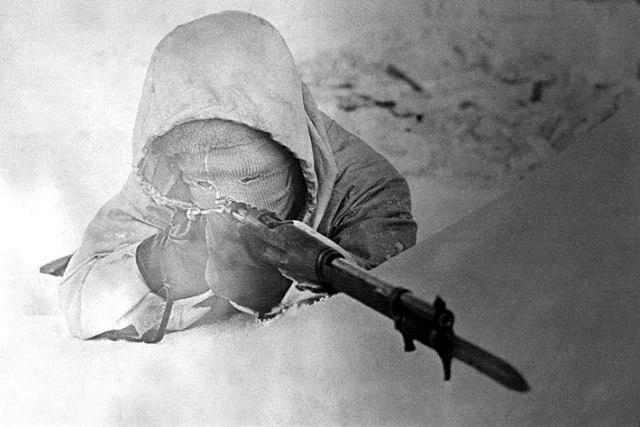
[224, 113]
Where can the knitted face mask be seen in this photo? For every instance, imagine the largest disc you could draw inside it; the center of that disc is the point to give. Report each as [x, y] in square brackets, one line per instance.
[235, 161]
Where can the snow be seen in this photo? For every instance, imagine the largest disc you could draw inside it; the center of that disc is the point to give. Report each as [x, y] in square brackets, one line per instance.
[70, 83]
[546, 275]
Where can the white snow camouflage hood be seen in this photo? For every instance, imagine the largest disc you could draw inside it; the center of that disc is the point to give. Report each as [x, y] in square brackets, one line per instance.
[232, 66]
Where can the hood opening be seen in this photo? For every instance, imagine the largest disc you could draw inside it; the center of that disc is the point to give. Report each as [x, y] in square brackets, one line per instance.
[163, 178]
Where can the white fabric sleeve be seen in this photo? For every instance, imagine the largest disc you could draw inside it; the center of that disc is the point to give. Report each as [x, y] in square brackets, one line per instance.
[108, 293]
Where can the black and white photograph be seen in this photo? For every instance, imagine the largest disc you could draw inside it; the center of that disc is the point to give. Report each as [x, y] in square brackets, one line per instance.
[320, 213]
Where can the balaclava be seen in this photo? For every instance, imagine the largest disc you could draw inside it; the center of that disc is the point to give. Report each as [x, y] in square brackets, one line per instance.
[222, 158]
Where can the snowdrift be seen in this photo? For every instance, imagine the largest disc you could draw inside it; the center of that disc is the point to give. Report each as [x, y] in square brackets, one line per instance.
[545, 276]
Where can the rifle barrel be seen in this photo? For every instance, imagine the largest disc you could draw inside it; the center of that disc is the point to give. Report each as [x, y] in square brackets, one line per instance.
[345, 276]
[420, 318]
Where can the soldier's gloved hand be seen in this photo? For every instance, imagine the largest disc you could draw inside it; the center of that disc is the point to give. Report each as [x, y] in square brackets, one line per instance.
[234, 273]
[177, 257]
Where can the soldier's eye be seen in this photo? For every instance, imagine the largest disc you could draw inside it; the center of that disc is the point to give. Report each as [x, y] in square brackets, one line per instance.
[248, 179]
[204, 184]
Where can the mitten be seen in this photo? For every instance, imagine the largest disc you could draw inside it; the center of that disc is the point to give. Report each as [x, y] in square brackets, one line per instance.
[234, 273]
[176, 257]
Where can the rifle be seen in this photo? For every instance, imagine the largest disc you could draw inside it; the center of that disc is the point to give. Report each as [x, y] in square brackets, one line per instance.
[305, 255]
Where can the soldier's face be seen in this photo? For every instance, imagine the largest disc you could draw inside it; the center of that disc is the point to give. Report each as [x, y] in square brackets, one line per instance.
[245, 165]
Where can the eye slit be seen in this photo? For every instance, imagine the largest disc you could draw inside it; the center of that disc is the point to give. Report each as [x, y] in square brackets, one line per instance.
[204, 184]
[248, 179]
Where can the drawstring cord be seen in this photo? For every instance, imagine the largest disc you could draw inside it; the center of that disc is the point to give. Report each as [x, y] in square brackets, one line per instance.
[151, 337]
[221, 204]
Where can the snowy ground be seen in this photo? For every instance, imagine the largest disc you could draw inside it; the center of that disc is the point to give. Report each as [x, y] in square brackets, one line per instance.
[478, 117]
